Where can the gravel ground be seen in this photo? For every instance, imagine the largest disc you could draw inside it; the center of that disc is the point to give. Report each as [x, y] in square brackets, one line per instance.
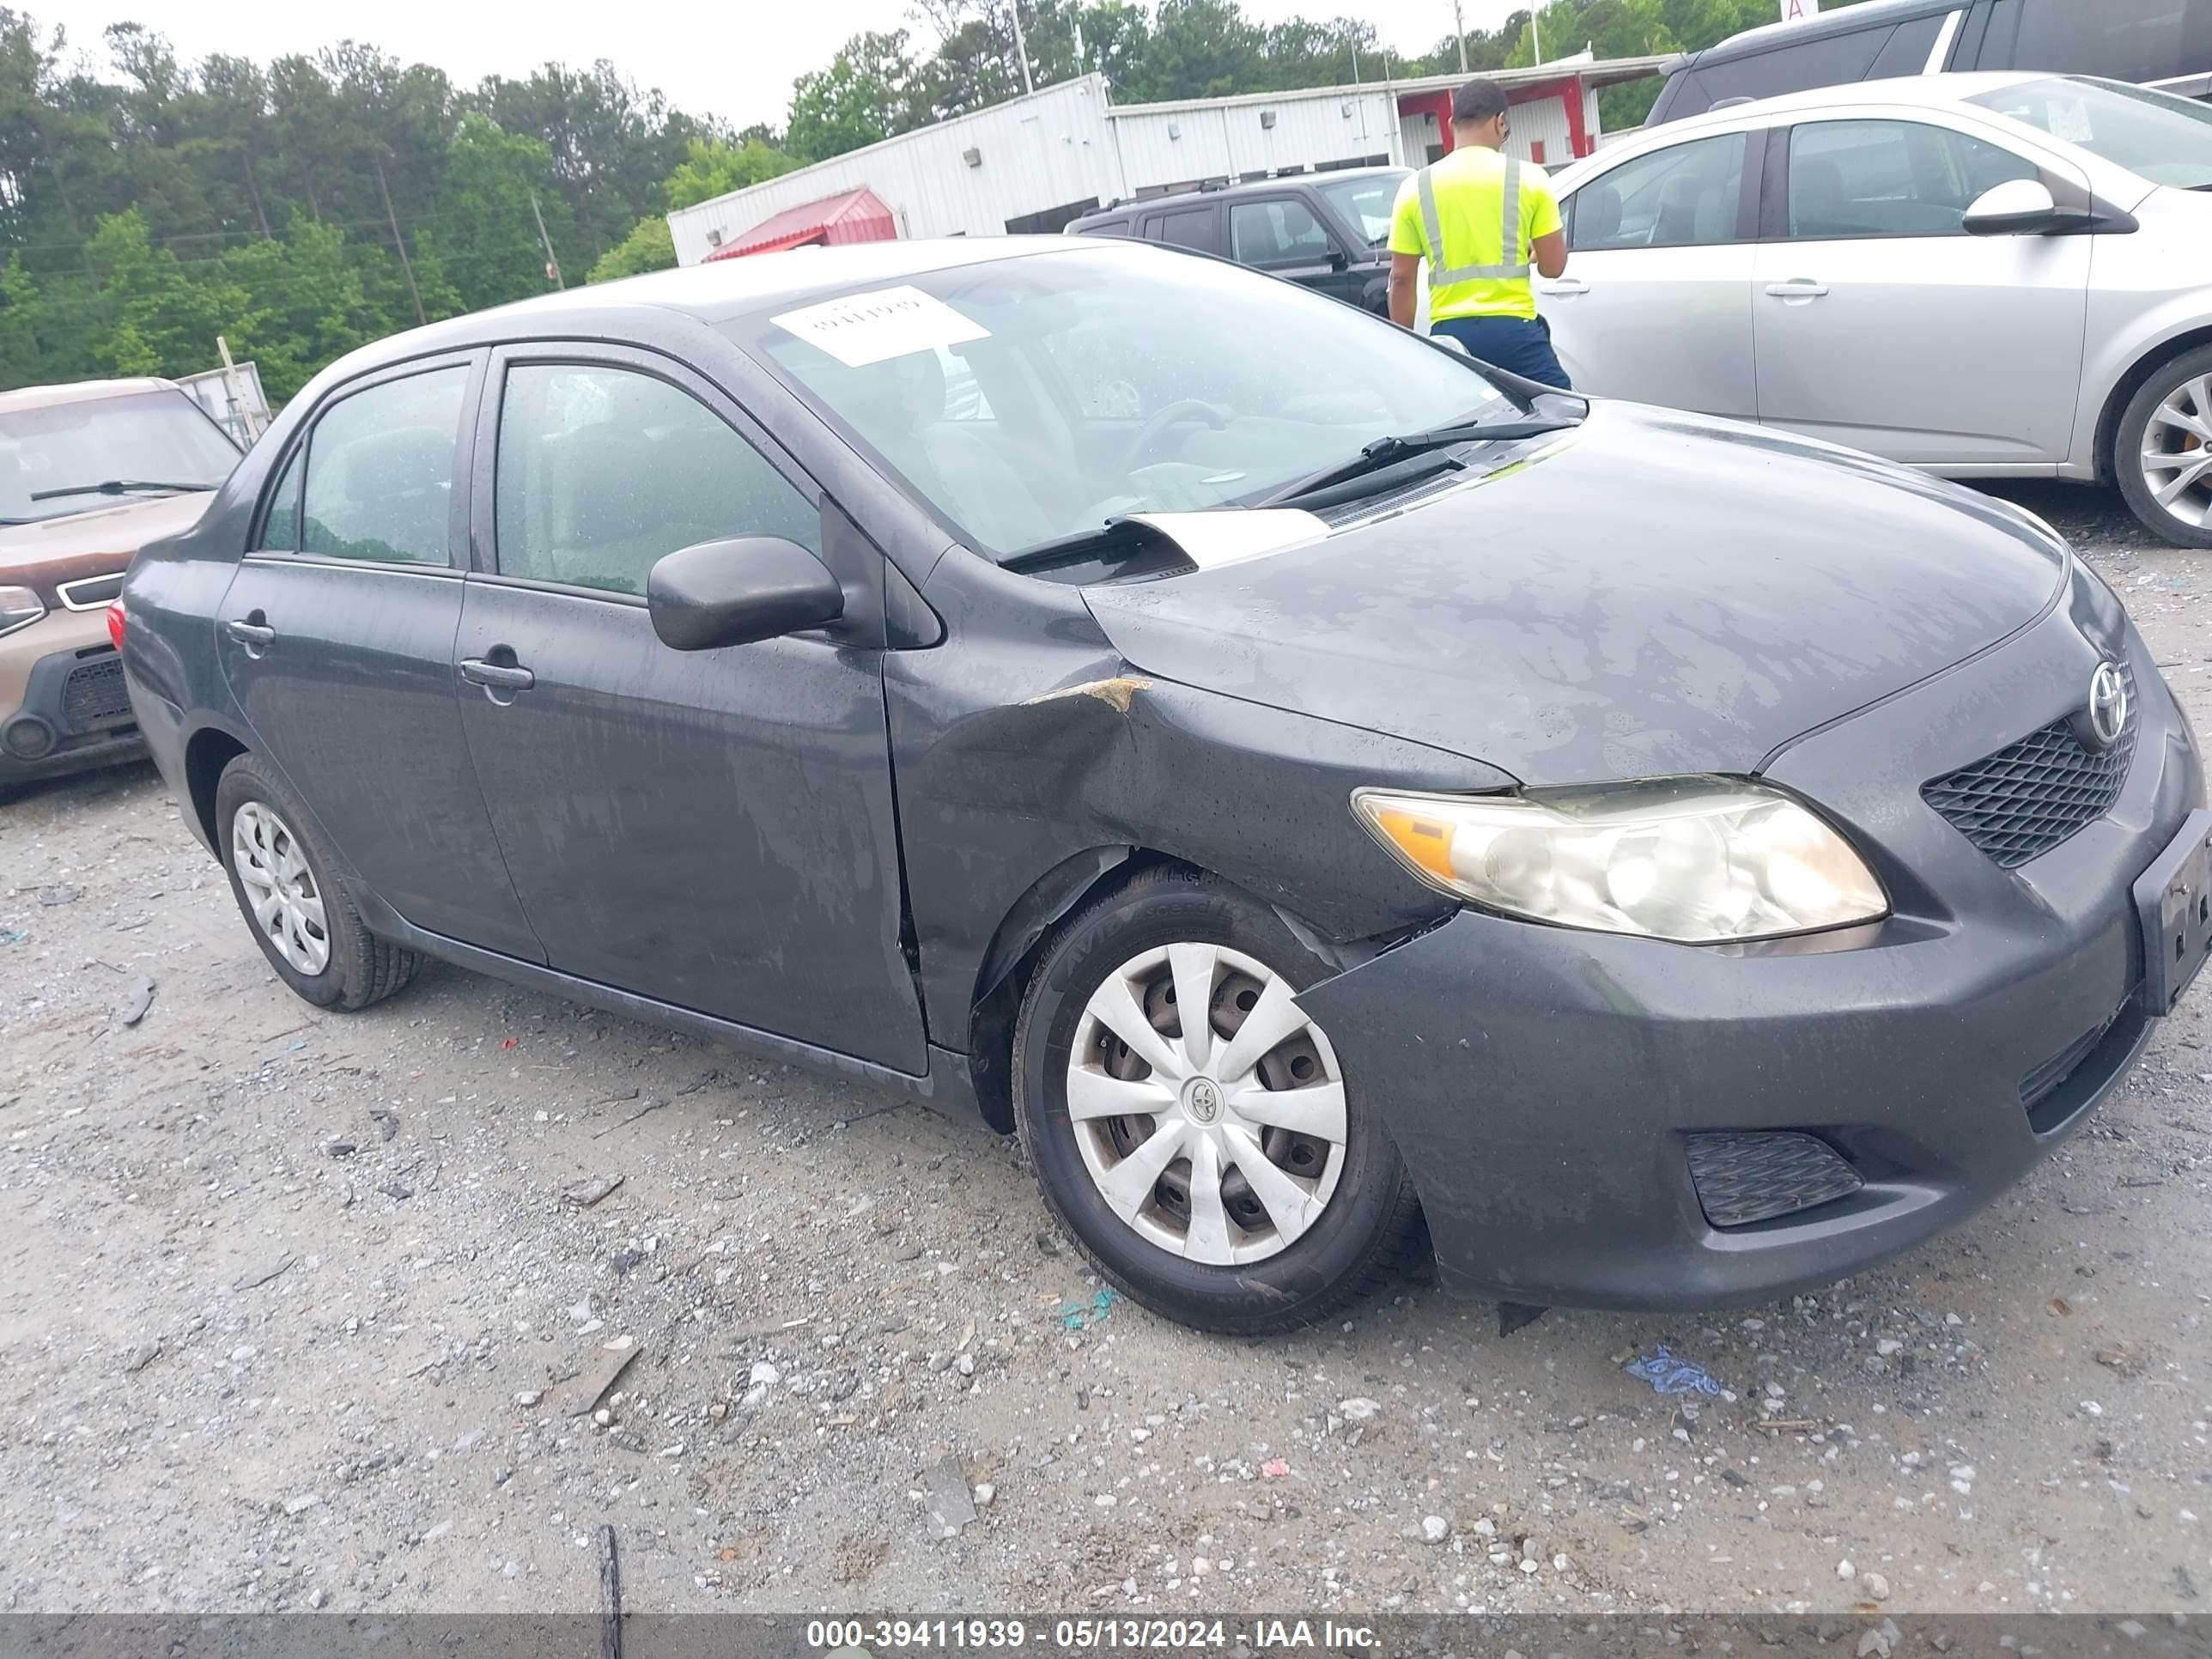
[299, 1310]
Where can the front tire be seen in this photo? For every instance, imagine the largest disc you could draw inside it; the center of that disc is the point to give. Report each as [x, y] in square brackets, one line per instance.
[281, 875]
[2162, 453]
[1233, 1178]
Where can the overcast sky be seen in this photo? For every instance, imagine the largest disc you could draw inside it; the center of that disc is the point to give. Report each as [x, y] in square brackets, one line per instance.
[734, 61]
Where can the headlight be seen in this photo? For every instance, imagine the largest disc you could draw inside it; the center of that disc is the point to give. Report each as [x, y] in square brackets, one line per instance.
[19, 608]
[1698, 860]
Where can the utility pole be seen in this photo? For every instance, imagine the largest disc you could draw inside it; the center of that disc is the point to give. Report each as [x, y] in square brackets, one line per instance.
[552, 265]
[1535, 38]
[1355, 63]
[1021, 46]
[399, 245]
[1459, 33]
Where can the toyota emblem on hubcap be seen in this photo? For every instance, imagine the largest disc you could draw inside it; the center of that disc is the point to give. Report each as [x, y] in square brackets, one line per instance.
[2108, 704]
[1202, 1100]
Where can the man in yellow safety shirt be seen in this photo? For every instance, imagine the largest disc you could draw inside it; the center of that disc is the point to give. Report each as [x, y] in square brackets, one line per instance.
[1481, 219]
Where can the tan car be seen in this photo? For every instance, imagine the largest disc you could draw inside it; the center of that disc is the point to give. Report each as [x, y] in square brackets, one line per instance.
[89, 473]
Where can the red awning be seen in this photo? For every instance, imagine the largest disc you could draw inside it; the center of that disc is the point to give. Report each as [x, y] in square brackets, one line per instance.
[855, 217]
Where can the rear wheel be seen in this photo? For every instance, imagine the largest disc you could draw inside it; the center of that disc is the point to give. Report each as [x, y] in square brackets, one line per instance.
[1222, 1170]
[2162, 453]
[280, 874]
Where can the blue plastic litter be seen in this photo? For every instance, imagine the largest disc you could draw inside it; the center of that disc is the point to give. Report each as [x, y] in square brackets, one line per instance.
[1667, 1375]
[1075, 1315]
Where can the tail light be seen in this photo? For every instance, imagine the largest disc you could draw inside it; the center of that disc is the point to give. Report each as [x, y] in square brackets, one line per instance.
[116, 622]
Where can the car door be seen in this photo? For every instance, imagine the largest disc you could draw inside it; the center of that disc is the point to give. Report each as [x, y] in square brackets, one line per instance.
[1656, 301]
[713, 829]
[1283, 236]
[1880, 324]
[337, 638]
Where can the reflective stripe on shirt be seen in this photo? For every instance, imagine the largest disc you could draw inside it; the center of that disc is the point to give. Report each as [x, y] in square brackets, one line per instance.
[1508, 242]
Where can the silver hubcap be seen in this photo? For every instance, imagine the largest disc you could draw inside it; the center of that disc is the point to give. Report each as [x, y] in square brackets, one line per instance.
[2176, 452]
[1218, 1138]
[280, 889]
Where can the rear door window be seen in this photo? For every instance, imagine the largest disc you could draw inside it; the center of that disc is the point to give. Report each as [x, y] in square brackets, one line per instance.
[1857, 178]
[2119, 40]
[1824, 60]
[1192, 228]
[603, 470]
[380, 472]
[1908, 47]
[1685, 196]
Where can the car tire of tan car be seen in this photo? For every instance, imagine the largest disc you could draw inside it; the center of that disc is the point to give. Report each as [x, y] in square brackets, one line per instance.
[357, 968]
[1350, 1231]
[2187, 378]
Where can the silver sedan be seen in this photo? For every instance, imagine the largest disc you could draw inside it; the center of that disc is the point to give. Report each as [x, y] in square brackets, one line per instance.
[1984, 275]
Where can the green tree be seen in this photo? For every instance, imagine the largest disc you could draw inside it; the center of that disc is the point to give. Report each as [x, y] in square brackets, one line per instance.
[480, 228]
[647, 247]
[861, 98]
[711, 168]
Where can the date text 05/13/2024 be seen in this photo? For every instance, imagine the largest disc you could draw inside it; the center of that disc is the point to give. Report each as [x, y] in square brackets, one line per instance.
[844, 1636]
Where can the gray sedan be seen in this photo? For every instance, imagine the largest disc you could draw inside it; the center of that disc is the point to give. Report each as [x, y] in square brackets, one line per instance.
[1984, 275]
[1333, 804]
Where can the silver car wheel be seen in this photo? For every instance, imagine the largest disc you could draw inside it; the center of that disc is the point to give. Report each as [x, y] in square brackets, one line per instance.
[2176, 452]
[280, 889]
[1222, 1140]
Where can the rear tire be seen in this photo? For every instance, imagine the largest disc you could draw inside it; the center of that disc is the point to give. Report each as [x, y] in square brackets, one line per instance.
[1311, 1205]
[280, 873]
[2164, 443]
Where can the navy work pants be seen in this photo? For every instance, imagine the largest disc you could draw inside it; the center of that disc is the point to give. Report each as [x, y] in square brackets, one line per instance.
[1513, 343]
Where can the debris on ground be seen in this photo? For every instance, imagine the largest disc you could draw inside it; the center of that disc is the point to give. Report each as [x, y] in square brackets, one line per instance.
[951, 1500]
[1667, 1375]
[255, 1276]
[140, 1000]
[585, 1193]
[2122, 1357]
[605, 1370]
[1079, 1315]
[1516, 1315]
[141, 1356]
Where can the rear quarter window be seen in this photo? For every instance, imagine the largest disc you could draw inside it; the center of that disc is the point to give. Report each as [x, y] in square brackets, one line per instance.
[2119, 40]
[1826, 60]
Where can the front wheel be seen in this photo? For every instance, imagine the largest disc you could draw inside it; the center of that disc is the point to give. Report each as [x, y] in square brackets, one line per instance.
[281, 875]
[1223, 1170]
[2162, 453]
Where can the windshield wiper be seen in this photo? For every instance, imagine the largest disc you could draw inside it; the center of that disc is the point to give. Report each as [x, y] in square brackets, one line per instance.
[117, 486]
[1389, 451]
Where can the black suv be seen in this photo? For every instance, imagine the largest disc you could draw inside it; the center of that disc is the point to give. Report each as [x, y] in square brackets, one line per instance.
[1330, 231]
[2158, 42]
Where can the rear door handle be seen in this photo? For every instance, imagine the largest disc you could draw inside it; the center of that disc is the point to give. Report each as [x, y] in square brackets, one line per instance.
[1565, 287]
[254, 636]
[1797, 287]
[503, 676]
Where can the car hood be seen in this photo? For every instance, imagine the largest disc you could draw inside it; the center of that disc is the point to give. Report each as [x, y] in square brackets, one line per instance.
[96, 542]
[1649, 594]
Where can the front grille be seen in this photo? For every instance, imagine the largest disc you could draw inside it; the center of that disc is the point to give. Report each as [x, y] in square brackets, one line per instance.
[2023, 800]
[1748, 1177]
[95, 694]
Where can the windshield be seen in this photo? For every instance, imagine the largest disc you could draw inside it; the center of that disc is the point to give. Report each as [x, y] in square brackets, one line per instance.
[2155, 134]
[1031, 398]
[1365, 203]
[160, 436]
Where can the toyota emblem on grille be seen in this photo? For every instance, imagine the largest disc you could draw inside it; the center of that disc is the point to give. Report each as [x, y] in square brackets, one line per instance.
[2108, 704]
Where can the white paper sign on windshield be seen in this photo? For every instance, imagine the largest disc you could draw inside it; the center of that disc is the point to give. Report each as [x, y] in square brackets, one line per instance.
[862, 329]
[1221, 538]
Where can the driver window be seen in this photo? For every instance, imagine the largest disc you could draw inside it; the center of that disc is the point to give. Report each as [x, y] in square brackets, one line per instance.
[1685, 196]
[1278, 233]
[1854, 179]
[602, 472]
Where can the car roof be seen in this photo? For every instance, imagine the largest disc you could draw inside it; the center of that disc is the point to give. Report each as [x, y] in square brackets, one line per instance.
[1242, 187]
[1871, 13]
[1921, 91]
[80, 392]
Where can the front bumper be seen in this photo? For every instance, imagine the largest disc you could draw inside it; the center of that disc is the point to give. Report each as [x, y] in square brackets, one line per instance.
[64, 706]
[1545, 1085]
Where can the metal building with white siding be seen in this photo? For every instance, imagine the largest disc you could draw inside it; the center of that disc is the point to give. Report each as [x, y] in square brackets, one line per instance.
[1035, 162]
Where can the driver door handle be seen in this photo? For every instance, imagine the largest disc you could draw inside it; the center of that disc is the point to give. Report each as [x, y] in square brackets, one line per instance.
[1797, 287]
[1565, 287]
[253, 635]
[503, 676]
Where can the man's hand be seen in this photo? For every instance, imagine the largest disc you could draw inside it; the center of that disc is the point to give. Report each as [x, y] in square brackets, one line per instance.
[1551, 254]
[1404, 280]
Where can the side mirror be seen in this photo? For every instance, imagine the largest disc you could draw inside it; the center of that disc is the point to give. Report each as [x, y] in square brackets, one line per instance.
[1450, 343]
[1338, 259]
[2018, 207]
[740, 590]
